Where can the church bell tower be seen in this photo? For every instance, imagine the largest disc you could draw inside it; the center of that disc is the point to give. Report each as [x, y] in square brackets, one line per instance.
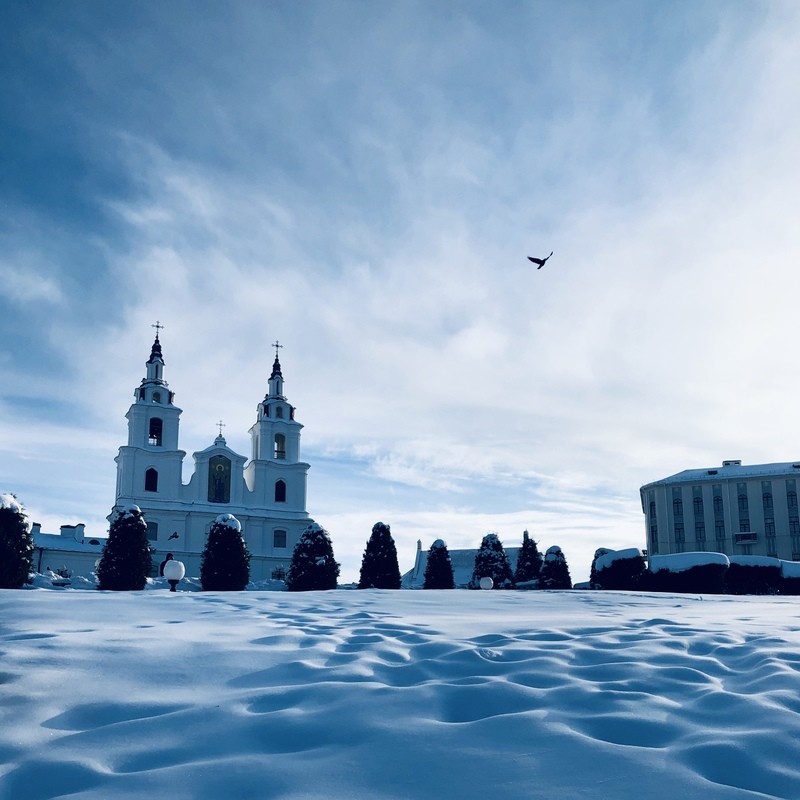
[151, 462]
[275, 473]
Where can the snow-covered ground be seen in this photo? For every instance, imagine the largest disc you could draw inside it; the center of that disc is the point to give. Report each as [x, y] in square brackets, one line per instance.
[380, 694]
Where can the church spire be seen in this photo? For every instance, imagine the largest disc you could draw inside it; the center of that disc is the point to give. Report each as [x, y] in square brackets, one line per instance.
[276, 379]
[276, 434]
[155, 364]
[155, 351]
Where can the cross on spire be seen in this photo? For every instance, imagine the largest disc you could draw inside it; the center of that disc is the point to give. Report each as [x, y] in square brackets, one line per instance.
[221, 425]
[278, 346]
[158, 326]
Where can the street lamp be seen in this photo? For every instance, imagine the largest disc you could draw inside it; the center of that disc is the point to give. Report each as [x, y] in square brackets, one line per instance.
[174, 572]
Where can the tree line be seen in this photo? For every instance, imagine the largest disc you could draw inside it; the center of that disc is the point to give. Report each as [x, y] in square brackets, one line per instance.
[126, 559]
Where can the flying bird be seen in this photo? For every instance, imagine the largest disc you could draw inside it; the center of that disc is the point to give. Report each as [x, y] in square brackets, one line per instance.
[540, 261]
[173, 536]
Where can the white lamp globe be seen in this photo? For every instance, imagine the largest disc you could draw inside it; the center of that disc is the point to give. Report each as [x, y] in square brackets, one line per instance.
[174, 570]
[487, 583]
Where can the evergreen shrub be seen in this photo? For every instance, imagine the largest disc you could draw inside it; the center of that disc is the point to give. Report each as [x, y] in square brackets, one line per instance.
[439, 569]
[491, 561]
[16, 543]
[700, 579]
[555, 572]
[529, 561]
[621, 570]
[313, 566]
[126, 559]
[759, 576]
[598, 554]
[379, 567]
[790, 578]
[225, 562]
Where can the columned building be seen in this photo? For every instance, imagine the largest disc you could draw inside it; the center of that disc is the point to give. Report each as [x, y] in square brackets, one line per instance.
[266, 493]
[734, 509]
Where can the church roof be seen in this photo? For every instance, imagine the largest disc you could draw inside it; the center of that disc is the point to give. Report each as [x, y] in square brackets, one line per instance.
[54, 542]
[463, 562]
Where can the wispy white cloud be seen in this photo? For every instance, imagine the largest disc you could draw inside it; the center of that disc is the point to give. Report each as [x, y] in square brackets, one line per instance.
[372, 208]
[24, 283]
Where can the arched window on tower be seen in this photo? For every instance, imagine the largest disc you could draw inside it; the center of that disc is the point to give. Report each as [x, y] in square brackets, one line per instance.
[151, 480]
[280, 492]
[156, 431]
[156, 397]
[280, 446]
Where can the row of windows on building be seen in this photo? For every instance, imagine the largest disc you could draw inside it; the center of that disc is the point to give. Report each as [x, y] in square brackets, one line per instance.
[744, 537]
[219, 487]
[278, 536]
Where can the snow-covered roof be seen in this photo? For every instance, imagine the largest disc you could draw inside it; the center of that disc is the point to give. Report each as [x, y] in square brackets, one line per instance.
[52, 541]
[463, 562]
[730, 470]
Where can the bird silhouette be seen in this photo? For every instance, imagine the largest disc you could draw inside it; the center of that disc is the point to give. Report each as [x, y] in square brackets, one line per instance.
[540, 261]
[173, 536]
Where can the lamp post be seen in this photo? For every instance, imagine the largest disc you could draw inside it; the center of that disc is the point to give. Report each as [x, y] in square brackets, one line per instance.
[174, 572]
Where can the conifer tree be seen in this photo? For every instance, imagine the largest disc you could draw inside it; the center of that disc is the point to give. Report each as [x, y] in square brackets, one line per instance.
[491, 561]
[439, 569]
[599, 553]
[16, 543]
[555, 572]
[379, 568]
[126, 560]
[529, 561]
[313, 566]
[225, 562]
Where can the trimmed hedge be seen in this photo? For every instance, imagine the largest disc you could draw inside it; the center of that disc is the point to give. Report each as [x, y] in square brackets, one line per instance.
[753, 575]
[620, 570]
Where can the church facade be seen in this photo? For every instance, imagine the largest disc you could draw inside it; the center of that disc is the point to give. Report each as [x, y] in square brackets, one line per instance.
[266, 493]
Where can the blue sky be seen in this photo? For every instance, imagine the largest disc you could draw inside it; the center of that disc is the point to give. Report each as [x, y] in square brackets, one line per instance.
[363, 181]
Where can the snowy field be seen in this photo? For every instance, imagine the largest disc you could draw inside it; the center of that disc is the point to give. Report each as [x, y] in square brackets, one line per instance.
[378, 694]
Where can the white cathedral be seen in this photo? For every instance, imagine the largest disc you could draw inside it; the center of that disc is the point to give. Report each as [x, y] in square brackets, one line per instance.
[267, 494]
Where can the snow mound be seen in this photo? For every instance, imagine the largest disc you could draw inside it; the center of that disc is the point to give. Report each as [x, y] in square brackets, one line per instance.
[130, 510]
[229, 521]
[606, 560]
[388, 694]
[554, 553]
[680, 562]
[790, 569]
[10, 502]
[755, 561]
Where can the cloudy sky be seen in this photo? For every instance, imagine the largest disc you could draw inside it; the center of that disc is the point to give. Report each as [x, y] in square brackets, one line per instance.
[363, 182]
